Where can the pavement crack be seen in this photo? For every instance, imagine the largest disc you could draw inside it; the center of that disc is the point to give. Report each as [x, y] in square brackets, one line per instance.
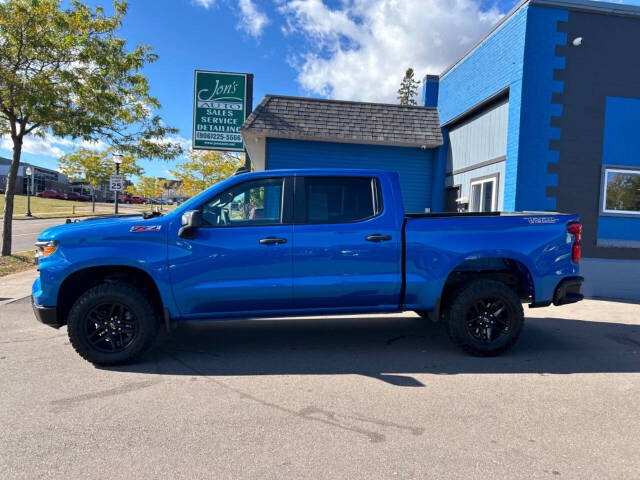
[311, 413]
[70, 402]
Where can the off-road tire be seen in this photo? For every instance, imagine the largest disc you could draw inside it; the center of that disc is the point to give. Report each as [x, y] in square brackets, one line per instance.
[463, 299]
[122, 293]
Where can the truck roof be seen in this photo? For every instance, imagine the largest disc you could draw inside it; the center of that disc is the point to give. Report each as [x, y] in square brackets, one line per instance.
[317, 171]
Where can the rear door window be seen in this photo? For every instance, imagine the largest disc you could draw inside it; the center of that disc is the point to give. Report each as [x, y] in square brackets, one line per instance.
[341, 199]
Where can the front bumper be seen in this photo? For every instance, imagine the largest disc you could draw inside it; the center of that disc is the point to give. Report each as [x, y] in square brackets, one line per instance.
[568, 291]
[46, 315]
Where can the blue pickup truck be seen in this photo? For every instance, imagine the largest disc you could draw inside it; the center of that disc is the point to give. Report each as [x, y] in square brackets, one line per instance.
[301, 242]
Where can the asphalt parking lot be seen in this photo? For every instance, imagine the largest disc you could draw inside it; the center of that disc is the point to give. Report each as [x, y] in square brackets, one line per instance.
[338, 397]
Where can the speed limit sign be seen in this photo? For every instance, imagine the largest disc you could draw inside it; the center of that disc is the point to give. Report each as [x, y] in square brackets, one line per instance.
[116, 183]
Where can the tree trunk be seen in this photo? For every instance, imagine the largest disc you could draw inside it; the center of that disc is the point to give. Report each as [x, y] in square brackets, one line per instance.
[93, 198]
[9, 194]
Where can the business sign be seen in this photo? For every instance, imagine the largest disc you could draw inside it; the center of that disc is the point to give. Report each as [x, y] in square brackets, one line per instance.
[116, 183]
[222, 101]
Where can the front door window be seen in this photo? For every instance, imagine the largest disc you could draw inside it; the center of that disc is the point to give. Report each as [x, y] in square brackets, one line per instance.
[252, 203]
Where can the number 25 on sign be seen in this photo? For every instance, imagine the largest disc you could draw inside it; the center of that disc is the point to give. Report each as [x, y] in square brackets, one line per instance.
[116, 183]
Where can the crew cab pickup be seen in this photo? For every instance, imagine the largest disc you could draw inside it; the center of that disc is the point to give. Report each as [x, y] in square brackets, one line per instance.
[301, 242]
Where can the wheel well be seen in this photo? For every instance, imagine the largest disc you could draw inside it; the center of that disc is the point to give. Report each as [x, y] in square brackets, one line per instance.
[511, 272]
[79, 282]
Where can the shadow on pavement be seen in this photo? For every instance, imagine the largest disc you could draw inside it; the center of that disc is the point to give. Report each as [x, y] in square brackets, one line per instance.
[386, 348]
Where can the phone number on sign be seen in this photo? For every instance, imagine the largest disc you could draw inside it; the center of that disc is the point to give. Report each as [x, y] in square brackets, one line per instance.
[224, 137]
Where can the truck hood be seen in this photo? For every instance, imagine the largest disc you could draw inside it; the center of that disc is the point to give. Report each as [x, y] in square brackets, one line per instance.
[100, 227]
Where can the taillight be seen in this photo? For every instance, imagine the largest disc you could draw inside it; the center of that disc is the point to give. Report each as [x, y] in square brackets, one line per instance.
[575, 229]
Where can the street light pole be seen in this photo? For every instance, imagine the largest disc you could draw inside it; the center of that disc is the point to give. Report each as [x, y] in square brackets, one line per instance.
[28, 172]
[117, 159]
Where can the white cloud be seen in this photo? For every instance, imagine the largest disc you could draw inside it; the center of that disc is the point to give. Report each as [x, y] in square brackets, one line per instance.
[204, 3]
[185, 143]
[50, 146]
[252, 20]
[361, 49]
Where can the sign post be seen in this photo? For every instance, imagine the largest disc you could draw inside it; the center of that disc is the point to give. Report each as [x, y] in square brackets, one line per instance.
[222, 101]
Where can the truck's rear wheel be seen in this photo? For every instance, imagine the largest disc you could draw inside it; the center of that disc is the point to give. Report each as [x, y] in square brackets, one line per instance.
[112, 324]
[484, 317]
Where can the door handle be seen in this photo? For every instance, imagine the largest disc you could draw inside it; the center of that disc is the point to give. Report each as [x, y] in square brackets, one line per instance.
[376, 237]
[272, 241]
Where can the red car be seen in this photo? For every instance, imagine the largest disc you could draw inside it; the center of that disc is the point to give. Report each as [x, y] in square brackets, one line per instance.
[134, 200]
[49, 194]
[75, 196]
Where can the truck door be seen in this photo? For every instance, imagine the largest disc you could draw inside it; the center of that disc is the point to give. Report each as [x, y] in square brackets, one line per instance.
[347, 245]
[241, 258]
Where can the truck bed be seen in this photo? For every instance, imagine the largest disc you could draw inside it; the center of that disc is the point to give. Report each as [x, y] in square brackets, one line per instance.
[481, 214]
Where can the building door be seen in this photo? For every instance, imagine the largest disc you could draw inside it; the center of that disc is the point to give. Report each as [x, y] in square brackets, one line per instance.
[451, 196]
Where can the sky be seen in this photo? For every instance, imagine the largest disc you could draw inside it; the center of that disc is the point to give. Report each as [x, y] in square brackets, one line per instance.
[342, 49]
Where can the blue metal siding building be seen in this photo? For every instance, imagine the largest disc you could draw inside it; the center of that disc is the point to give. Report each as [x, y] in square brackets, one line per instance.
[290, 132]
[563, 72]
[412, 164]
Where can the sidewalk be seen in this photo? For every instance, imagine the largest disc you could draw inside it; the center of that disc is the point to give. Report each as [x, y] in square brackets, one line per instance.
[16, 286]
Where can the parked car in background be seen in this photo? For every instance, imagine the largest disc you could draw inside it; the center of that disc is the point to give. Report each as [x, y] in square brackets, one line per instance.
[302, 242]
[50, 194]
[75, 196]
[133, 199]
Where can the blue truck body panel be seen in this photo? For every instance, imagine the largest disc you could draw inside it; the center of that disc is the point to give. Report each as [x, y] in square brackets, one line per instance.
[437, 246]
[318, 268]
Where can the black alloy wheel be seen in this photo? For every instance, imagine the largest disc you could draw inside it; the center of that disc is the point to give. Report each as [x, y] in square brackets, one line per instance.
[484, 317]
[112, 323]
[110, 327]
[488, 319]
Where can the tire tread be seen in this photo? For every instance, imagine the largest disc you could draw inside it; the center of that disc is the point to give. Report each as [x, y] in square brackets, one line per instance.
[149, 323]
[456, 308]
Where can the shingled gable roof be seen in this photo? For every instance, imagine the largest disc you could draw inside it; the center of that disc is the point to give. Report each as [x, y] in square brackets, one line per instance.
[344, 122]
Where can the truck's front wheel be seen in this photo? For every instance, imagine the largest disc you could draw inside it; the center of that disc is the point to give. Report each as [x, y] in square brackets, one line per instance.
[484, 317]
[112, 324]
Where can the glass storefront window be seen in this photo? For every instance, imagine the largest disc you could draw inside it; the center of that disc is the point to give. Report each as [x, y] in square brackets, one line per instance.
[621, 191]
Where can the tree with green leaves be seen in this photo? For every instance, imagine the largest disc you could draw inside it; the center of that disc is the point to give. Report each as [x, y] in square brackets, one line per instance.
[64, 71]
[95, 167]
[408, 88]
[204, 168]
[146, 187]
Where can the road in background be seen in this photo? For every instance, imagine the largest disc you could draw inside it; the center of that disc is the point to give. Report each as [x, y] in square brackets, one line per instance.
[384, 396]
[25, 232]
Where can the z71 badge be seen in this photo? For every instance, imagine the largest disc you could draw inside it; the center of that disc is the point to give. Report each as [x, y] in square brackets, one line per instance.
[145, 228]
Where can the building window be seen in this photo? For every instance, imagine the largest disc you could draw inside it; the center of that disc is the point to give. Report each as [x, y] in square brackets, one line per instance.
[483, 194]
[621, 191]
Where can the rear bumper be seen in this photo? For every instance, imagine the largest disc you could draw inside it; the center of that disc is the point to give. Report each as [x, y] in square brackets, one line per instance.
[568, 291]
[46, 315]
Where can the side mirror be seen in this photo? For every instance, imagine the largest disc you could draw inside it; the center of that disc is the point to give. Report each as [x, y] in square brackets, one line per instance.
[191, 220]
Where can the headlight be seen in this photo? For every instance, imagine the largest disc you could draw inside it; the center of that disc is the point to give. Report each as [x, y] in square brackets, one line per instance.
[44, 249]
